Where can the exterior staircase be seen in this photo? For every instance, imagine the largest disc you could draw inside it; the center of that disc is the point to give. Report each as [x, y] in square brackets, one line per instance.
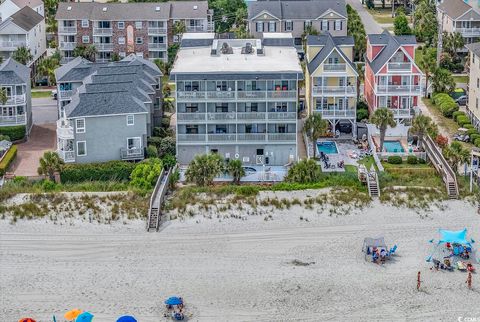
[372, 184]
[156, 199]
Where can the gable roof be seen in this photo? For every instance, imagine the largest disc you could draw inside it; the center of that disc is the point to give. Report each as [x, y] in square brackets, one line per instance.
[14, 73]
[296, 9]
[474, 48]
[30, 3]
[26, 18]
[329, 44]
[456, 9]
[188, 9]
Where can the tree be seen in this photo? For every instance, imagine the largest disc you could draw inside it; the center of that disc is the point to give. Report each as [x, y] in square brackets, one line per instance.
[452, 42]
[383, 118]
[227, 13]
[305, 171]
[22, 55]
[179, 28]
[47, 68]
[1, 59]
[90, 52]
[115, 57]
[421, 125]
[172, 53]
[204, 168]
[401, 26]
[425, 21]
[314, 128]
[146, 173]
[3, 96]
[428, 63]
[309, 30]
[49, 164]
[443, 81]
[236, 170]
[164, 67]
[456, 155]
[168, 105]
[356, 29]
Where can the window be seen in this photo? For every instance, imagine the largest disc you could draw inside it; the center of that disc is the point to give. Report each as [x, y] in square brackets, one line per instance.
[130, 119]
[81, 148]
[272, 26]
[84, 23]
[338, 25]
[80, 125]
[259, 26]
[85, 39]
[192, 108]
[134, 144]
[476, 103]
[121, 40]
[139, 40]
[259, 151]
[307, 24]
[288, 25]
[324, 25]
[138, 25]
[121, 25]
[478, 83]
[191, 129]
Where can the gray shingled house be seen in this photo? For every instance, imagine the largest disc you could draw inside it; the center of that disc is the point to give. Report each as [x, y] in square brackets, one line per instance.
[113, 111]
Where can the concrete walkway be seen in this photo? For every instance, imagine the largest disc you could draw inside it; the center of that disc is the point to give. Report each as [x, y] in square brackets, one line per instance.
[425, 111]
[371, 26]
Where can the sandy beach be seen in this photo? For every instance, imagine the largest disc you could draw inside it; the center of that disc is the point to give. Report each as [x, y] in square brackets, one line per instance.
[230, 269]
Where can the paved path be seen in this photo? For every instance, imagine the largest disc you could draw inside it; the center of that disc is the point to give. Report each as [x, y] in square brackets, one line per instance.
[371, 26]
[44, 110]
[425, 111]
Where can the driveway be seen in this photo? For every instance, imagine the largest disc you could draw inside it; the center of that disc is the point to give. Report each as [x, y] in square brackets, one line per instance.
[44, 110]
[371, 26]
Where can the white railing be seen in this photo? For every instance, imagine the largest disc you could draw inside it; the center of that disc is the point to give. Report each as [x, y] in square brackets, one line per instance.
[230, 95]
[67, 156]
[196, 28]
[281, 94]
[221, 116]
[221, 137]
[67, 29]
[250, 95]
[191, 137]
[13, 120]
[332, 90]
[64, 130]
[282, 115]
[103, 46]
[413, 89]
[12, 44]
[251, 115]
[68, 45]
[282, 136]
[102, 31]
[473, 31]
[210, 26]
[251, 137]
[235, 137]
[349, 113]
[221, 94]
[191, 117]
[14, 100]
[157, 46]
[399, 67]
[401, 112]
[234, 116]
[131, 153]
[157, 30]
[65, 94]
[334, 67]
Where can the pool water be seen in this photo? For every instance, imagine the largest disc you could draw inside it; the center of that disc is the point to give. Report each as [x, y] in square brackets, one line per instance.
[393, 146]
[327, 147]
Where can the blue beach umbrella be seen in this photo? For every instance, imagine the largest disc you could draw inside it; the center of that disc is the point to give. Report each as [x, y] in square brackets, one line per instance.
[126, 318]
[173, 301]
[84, 317]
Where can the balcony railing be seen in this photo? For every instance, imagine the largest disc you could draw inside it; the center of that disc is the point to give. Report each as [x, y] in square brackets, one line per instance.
[469, 32]
[103, 46]
[231, 95]
[157, 46]
[102, 31]
[281, 94]
[336, 113]
[234, 116]
[335, 90]
[68, 45]
[192, 117]
[157, 30]
[131, 154]
[196, 28]
[14, 100]
[402, 112]
[67, 29]
[251, 137]
[411, 89]
[13, 120]
[192, 137]
[405, 67]
[251, 95]
[64, 130]
[11, 45]
[221, 137]
[282, 115]
[67, 156]
[251, 116]
[62, 95]
[282, 136]
[334, 67]
[236, 137]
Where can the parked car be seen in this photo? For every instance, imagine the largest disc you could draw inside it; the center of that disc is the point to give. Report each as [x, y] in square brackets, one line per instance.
[41, 82]
[462, 100]
[54, 94]
[457, 93]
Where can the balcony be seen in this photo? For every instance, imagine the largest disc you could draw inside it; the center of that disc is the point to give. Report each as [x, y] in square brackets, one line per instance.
[399, 89]
[103, 46]
[334, 91]
[66, 156]
[334, 67]
[282, 116]
[247, 137]
[13, 120]
[67, 30]
[157, 30]
[251, 116]
[399, 67]
[469, 32]
[227, 116]
[236, 137]
[67, 45]
[282, 95]
[251, 95]
[191, 137]
[65, 95]
[131, 154]
[200, 28]
[64, 130]
[282, 137]
[217, 137]
[157, 46]
[11, 45]
[402, 112]
[194, 95]
[14, 100]
[191, 117]
[234, 117]
[102, 31]
[337, 113]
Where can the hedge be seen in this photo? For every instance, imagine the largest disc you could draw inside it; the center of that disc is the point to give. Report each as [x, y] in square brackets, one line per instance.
[457, 114]
[412, 159]
[477, 143]
[8, 159]
[469, 126]
[15, 133]
[473, 137]
[439, 97]
[471, 132]
[108, 171]
[394, 159]
[462, 119]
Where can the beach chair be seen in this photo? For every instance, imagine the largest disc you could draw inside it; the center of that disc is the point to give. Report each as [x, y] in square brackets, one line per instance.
[456, 251]
[392, 250]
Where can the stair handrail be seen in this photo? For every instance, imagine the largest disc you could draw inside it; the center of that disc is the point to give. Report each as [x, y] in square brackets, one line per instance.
[152, 197]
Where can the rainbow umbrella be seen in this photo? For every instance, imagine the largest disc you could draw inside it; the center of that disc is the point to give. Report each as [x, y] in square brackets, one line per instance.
[72, 314]
[26, 320]
[126, 318]
[84, 317]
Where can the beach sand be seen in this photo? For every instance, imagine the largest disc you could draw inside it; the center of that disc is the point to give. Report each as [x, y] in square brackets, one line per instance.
[238, 270]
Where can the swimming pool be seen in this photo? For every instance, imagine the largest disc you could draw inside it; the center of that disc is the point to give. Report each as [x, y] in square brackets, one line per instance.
[393, 146]
[327, 147]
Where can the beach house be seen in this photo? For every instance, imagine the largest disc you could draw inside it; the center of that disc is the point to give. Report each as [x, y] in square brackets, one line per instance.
[473, 107]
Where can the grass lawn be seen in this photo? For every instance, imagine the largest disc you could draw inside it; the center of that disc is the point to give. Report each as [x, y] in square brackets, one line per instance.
[405, 165]
[461, 79]
[382, 15]
[368, 162]
[418, 56]
[350, 168]
[41, 94]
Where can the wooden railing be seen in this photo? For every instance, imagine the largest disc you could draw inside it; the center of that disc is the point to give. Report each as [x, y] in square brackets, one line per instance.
[157, 197]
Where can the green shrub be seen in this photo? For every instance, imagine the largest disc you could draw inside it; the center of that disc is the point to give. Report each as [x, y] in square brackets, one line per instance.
[421, 161]
[471, 132]
[165, 145]
[48, 185]
[152, 151]
[14, 132]
[462, 119]
[464, 123]
[169, 160]
[146, 173]
[412, 159]
[394, 159]
[437, 98]
[8, 159]
[4, 137]
[457, 114]
[304, 171]
[362, 114]
[473, 137]
[477, 142]
[448, 107]
[469, 126]
[108, 171]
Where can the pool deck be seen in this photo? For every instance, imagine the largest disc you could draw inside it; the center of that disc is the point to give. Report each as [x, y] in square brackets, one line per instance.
[348, 152]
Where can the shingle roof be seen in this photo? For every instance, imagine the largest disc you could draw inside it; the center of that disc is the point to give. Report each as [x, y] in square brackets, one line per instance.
[26, 18]
[30, 3]
[457, 8]
[329, 43]
[311, 9]
[189, 9]
[14, 73]
[475, 48]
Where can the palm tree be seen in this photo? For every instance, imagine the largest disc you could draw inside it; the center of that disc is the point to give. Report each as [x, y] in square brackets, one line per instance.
[204, 168]
[90, 52]
[79, 51]
[456, 155]
[168, 105]
[383, 118]
[179, 28]
[443, 81]
[360, 78]
[309, 30]
[164, 67]
[428, 63]
[421, 125]
[236, 170]
[47, 68]
[49, 164]
[3, 96]
[314, 128]
[22, 55]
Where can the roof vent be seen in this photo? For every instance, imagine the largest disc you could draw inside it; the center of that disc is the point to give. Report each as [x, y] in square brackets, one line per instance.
[104, 9]
[248, 49]
[226, 49]
[195, 7]
[157, 8]
[69, 8]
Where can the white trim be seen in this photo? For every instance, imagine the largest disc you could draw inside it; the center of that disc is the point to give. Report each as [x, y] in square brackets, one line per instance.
[79, 130]
[328, 12]
[135, 137]
[105, 115]
[133, 119]
[264, 12]
[81, 155]
[341, 54]
[84, 26]
[412, 61]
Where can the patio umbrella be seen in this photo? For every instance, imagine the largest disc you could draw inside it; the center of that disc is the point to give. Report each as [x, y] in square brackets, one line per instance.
[126, 318]
[72, 314]
[462, 129]
[84, 317]
[26, 320]
[173, 301]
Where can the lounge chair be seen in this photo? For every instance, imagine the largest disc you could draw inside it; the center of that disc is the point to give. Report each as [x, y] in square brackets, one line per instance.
[456, 251]
[392, 250]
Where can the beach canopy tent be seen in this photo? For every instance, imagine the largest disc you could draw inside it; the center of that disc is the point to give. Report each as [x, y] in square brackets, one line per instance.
[454, 237]
[126, 318]
[373, 242]
[173, 301]
[84, 317]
